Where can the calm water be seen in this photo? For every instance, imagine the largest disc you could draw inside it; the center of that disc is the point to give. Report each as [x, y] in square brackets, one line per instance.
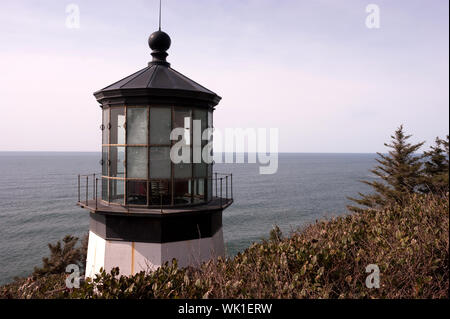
[38, 192]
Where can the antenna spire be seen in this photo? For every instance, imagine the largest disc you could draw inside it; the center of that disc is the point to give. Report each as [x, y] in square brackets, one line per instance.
[159, 15]
[159, 42]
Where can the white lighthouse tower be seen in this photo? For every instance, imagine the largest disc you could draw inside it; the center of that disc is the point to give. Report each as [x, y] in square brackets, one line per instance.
[144, 208]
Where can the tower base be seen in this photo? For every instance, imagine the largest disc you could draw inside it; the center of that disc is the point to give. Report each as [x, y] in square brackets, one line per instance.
[144, 243]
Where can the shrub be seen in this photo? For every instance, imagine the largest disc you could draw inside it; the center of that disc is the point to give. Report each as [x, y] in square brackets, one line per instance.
[409, 243]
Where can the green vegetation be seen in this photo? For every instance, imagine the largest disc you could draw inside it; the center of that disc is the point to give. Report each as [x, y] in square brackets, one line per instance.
[435, 173]
[403, 228]
[325, 260]
[63, 255]
[403, 172]
[409, 243]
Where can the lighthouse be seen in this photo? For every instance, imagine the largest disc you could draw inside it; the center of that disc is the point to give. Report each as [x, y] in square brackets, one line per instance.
[144, 207]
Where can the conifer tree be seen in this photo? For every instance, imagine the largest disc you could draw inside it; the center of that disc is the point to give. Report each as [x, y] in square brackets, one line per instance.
[399, 171]
[436, 167]
[60, 257]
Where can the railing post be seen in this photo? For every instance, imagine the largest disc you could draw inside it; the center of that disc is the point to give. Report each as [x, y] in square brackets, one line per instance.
[94, 190]
[87, 189]
[96, 193]
[216, 184]
[231, 175]
[226, 187]
[221, 191]
[79, 199]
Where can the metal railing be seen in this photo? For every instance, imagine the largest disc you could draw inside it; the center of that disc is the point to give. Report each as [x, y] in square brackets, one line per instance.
[90, 182]
[221, 189]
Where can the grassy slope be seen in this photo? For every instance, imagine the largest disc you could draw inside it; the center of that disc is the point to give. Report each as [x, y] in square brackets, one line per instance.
[326, 260]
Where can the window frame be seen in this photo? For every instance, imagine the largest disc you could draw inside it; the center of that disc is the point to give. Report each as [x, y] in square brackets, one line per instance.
[171, 180]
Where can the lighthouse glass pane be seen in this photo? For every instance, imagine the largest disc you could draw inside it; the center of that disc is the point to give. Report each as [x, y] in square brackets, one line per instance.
[200, 167]
[160, 193]
[182, 151]
[105, 189]
[117, 160]
[117, 122]
[137, 193]
[105, 161]
[182, 170]
[199, 190]
[160, 162]
[200, 122]
[160, 125]
[179, 118]
[137, 162]
[201, 115]
[200, 170]
[105, 129]
[116, 191]
[209, 182]
[182, 119]
[137, 127]
[182, 192]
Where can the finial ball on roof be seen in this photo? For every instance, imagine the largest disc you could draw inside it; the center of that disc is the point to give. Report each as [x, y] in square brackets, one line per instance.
[159, 41]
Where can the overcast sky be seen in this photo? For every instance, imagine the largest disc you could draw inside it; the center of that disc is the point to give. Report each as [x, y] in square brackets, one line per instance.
[309, 67]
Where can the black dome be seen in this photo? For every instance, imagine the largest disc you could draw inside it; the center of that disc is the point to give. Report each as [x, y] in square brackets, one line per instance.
[159, 41]
[157, 83]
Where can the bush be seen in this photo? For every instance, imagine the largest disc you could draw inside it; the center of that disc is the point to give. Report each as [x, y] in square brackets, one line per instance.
[409, 243]
[326, 260]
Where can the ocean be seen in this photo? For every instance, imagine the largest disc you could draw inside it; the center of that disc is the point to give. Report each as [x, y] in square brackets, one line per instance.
[38, 194]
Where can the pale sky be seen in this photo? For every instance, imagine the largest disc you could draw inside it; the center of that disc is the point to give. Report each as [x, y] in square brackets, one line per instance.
[310, 68]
